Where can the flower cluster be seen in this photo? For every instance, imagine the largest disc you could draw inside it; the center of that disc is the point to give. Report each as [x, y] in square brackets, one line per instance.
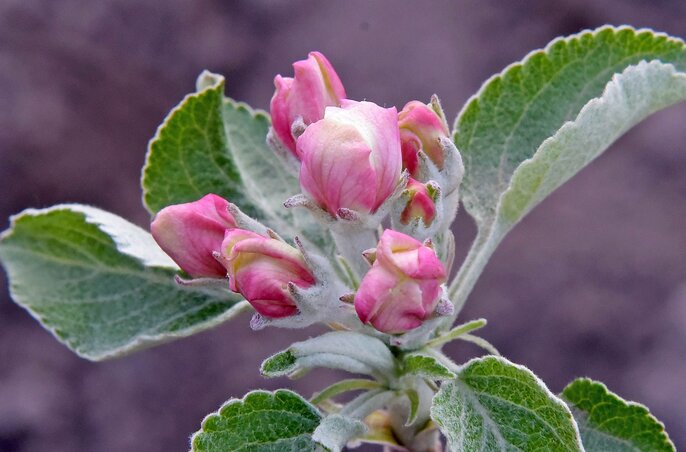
[358, 164]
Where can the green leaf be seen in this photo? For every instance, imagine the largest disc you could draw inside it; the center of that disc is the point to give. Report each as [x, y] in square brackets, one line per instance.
[282, 363]
[189, 156]
[352, 384]
[261, 422]
[100, 284]
[456, 332]
[212, 144]
[413, 397]
[345, 350]
[608, 423]
[497, 405]
[515, 136]
[426, 366]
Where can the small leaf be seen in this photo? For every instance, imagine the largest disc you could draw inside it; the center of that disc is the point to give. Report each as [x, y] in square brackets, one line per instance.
[283, 363]
[497, 405]
[352, 384]
[608, 423]
[335, 431]
[531, 128]
[100, 284]
[413, 397]
[456, 332]
[344, 350]
[261, 421]
[424, 365]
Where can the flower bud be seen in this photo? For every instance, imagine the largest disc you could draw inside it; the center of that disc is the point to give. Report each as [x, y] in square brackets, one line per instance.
[261, 268]
[351, 159]
[189, 233]
[421, 203]
[314, 87]
[420, 129]
[403, 287]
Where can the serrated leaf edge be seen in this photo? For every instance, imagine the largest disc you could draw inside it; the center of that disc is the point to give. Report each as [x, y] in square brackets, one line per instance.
[546, 50]
[218, 83]
[537, 380]
[243, 400]
[141, 342]
[645, 410]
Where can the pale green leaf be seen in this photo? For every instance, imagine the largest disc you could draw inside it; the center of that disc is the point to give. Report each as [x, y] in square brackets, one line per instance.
[345, 350]
[495, 405]
[538, 123]
[260, 422]
[631, 96]
[608, 423]
[100, 284]
[212, 144]
[335, 431]
[456, 332]
[426, 366]
[352, 384]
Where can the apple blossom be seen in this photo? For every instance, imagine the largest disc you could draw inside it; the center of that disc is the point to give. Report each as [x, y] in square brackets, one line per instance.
[261, 268]
[351, 159]
[314, 87]
[421, 127]
[189, 233]
[403, 287]
[420, 204]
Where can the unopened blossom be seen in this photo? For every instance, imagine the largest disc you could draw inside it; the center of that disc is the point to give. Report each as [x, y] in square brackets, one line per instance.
[403, 287]
[351, 159]
[260, 268]
[189, 233]
[314, 87]
[420, 130]
[420, 204]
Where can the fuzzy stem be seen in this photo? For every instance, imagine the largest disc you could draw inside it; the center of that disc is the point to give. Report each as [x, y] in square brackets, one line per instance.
[482, 248]
[352, 243]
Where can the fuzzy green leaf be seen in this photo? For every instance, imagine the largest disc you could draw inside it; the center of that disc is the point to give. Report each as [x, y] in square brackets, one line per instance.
[260, 422]
[515, 111]
[189, 155]
[345, 350]
[426, 366]
[495, 405]
[212, 144]
[608, 423]
[534, 126]
[100, 284]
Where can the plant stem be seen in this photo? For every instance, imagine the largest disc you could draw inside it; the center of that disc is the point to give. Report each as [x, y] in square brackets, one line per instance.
[482, 248]
[352, 244]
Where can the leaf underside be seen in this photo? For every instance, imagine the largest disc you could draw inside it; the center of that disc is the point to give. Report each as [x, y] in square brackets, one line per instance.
[535, 125]
[516, 110]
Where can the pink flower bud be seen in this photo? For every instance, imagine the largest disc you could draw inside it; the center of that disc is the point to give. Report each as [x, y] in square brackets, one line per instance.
[260, 268]
[421, 203]
[315, 86]
[190, 232]
[403, 287]
[420, 129]
[351, 159]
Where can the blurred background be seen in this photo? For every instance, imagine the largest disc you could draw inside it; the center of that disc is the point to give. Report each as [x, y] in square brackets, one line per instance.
[592, 283]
